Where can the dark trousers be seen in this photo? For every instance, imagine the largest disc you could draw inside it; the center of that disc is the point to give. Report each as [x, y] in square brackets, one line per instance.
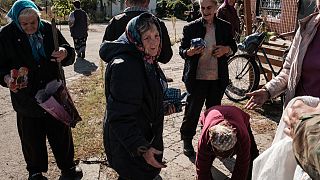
[254, 152]
[204, 91]
[33, 133]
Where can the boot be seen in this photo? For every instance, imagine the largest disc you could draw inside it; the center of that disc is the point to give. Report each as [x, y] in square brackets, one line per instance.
[188, 148]
[72, 173]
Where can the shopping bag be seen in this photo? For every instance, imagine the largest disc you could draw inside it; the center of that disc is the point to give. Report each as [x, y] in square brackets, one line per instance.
[56, 100]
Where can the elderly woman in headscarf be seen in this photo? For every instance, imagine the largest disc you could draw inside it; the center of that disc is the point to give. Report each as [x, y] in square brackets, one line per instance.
[228, 13]
[135, 86]
[26, 43]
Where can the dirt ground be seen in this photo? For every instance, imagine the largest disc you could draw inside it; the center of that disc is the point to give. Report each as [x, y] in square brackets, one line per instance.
[12, 165]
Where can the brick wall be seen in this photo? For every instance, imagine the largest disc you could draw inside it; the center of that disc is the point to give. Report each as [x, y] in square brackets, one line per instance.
[287, 21]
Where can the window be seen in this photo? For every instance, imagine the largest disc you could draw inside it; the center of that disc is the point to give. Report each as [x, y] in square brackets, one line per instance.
[270, 8]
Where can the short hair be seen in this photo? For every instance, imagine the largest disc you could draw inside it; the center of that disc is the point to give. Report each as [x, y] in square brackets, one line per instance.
[76, 4]
[138, 2]
[223, 137]
[29, 12]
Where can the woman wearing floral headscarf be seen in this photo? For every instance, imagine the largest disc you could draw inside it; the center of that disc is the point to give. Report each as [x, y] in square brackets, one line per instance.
[26, 43]
[134, 89]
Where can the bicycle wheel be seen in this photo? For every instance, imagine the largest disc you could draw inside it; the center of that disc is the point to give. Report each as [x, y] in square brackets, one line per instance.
[244, 77]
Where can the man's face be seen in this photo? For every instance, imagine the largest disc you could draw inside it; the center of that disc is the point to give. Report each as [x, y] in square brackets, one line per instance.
[208, 8]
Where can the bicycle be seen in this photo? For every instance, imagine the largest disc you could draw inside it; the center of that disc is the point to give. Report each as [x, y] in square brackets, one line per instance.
[245, 68]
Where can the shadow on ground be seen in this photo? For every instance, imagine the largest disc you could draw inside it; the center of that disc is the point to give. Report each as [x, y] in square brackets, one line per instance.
[271, 110]
[85, 67]
[217, 174]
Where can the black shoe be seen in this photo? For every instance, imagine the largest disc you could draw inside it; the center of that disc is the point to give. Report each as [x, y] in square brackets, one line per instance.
[37, 176]
[188, 148]
[72, 173]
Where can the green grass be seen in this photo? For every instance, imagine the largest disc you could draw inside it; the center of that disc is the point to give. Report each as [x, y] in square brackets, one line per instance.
[90, 102]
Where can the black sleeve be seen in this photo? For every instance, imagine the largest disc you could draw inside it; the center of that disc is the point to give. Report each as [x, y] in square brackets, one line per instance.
[166, 51]
[71, 54]
[185, 42]
[4, 68]
[109, 34]
[125, 97]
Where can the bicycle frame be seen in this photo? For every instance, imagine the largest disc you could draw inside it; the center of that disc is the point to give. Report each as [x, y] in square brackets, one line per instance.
[268, 62]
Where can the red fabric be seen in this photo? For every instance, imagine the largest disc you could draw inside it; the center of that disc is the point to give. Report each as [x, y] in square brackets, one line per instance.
[205, 156]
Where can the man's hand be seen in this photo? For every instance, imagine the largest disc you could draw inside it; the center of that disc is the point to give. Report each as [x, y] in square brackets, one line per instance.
[149, 156]
[59, 55]
[298, 109]
[220, 51]
[257, 98]
[193, 51]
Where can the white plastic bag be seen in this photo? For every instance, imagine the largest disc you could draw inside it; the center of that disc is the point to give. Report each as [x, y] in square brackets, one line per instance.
[278, 161]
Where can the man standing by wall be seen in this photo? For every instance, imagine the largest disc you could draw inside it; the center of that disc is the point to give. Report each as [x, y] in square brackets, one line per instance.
[78, 23]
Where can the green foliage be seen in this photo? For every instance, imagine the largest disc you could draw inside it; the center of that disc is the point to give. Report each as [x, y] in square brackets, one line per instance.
[167, 8]
[161, 8]
[178, 8]
[62, 8]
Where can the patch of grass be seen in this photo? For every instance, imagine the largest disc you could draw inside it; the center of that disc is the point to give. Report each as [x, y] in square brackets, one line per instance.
[88, 93]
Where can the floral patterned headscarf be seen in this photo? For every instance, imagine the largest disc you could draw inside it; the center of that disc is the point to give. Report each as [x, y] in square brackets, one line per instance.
[134, 36]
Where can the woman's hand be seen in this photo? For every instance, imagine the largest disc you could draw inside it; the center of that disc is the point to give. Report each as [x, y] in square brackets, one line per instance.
[59, 55]
[170, 109]
[220, 50]
[10, 83]
[149, 156]
[257, 98]
[193, 51]
[298, 109]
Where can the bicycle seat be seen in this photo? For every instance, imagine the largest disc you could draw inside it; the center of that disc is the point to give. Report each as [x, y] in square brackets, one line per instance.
[252, 42]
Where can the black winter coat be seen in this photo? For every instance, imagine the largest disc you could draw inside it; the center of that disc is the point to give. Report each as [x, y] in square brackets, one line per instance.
[117, 26]
[16, 52]
[197, 29]
[134, 115]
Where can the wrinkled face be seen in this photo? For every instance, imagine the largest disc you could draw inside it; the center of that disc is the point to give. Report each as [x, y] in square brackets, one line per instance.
[29, 24]
[208, 8]
[151, 41]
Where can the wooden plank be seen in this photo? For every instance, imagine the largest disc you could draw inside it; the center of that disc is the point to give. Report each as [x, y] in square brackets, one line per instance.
[274, 60]
[279, 43]
[273, 50]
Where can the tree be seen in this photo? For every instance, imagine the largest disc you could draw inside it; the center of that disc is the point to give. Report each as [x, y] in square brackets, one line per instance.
[62, 8]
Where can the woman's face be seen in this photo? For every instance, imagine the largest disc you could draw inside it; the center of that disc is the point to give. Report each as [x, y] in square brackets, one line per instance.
[29, 24]
[151, 41]
[208, 8]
